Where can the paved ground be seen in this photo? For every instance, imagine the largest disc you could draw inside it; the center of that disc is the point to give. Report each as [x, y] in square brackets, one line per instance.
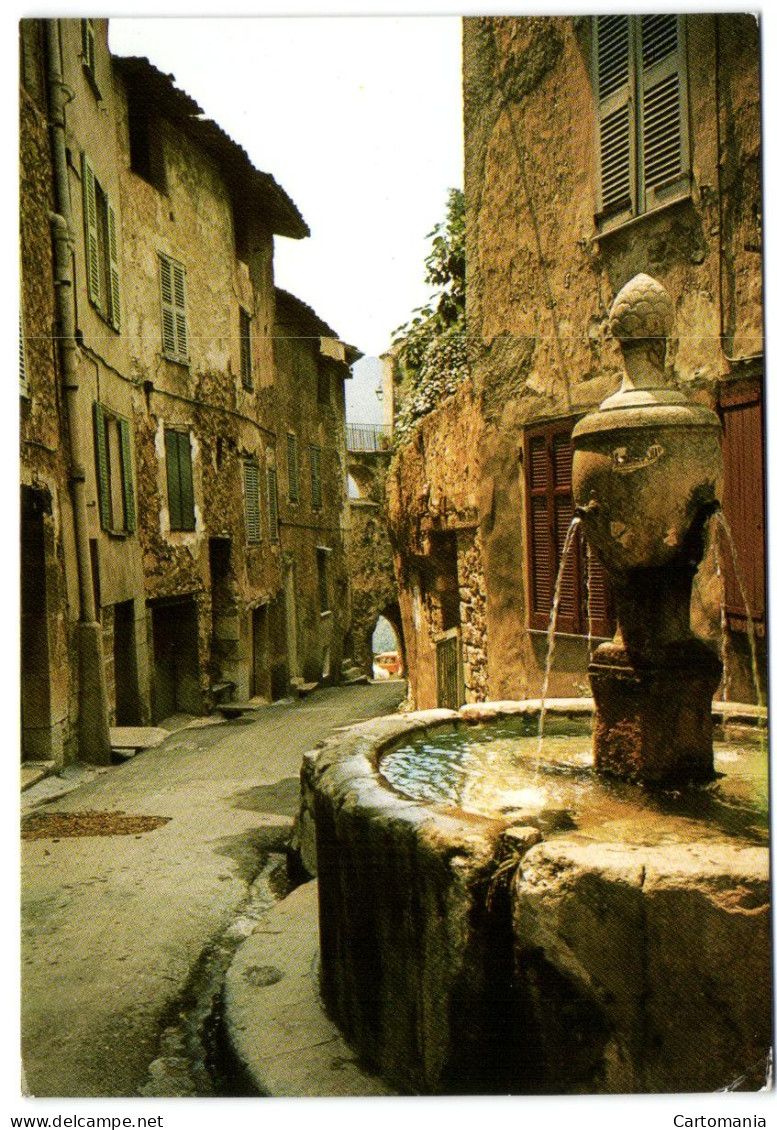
[115, 927]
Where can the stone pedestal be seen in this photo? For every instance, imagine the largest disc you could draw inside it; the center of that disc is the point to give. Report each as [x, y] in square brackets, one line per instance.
[653, 724]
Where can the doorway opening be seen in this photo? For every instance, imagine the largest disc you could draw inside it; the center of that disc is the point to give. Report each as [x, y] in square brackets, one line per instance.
[176, 684]
[35, 658]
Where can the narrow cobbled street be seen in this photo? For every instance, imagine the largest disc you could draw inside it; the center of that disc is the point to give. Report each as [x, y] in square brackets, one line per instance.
[126, 935]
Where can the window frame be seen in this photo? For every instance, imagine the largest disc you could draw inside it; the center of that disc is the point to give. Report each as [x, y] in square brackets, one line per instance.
[174, 321]
[630, 100]
[103, 419]
[180, 476]
[583, 568]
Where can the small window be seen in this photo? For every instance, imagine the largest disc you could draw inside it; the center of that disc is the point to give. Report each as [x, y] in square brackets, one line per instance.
[246, 351]
[175, 333]
[89, 52]
[145, 145]
[292, 467]
[180, 484]
[251, 492]
[102, 252]
[113, 460]
[322, 563]
[316, 492]
[642, 108]
[584, 601]
[272, 503]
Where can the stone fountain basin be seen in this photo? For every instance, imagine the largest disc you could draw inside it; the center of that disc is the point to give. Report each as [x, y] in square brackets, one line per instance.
[471, 953]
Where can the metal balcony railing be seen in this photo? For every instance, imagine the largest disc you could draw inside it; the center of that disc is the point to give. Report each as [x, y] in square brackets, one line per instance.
[367, 437]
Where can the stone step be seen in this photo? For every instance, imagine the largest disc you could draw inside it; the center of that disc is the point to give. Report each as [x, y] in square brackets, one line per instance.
[136, 737]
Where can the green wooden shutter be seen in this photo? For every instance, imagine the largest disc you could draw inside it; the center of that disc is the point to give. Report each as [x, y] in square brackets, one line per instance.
[186, 481]
[173, 479]
[615, 96]
[663, 123]
[92, 247]
[103, 471]
[130, 522]
[272, 502]
[114, 304]
[251, 487]
[168, 313]
[179, 295]
[293, 467]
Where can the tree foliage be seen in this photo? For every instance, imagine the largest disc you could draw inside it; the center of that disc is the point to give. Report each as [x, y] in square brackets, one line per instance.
[431, 347]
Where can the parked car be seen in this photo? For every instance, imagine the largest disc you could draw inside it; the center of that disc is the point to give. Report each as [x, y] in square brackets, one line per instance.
[387, 665]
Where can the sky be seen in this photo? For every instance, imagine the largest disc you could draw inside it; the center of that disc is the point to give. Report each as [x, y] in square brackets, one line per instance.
[360, 120]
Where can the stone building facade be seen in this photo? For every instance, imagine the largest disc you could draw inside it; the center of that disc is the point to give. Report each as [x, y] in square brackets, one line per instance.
[157, 404]
[595, 149]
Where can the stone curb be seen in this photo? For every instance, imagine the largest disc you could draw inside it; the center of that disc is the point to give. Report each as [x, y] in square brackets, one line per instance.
[275, 1023]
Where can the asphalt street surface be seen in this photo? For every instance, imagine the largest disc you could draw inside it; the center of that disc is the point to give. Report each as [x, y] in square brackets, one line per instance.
[117, 927]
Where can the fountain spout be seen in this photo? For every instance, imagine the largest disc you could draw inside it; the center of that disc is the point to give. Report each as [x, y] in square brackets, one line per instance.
[646, 476]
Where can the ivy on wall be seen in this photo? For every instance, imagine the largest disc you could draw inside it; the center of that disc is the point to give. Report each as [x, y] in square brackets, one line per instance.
[431, 349]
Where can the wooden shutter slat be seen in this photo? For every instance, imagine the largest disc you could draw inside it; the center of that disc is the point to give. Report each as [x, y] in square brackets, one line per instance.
[662, 139]
[659, 38]
[315, 477]
[542, 557]
[538, 463]
[612, 53]
[616, 158]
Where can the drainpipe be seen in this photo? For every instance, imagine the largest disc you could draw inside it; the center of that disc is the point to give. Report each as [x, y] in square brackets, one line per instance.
[94, 739]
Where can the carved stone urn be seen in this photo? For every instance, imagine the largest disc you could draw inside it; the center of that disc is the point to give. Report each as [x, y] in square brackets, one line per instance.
[646, 476]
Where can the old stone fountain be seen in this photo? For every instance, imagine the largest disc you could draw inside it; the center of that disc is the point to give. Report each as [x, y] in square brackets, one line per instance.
[646, 477]
[492, 921]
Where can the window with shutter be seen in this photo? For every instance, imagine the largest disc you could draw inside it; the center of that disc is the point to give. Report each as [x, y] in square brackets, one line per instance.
[741, 412]
[292, 467]
[89, 52]
[251, 491]
[246, 351]
[180, 482]
[172, 287]
[113, 465]
[272, 503]
[101, 247]
[584, 602]
[316, 493]
[642, 114]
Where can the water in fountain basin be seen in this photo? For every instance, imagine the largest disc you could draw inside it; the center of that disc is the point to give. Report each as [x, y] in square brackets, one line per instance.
[493, 771]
